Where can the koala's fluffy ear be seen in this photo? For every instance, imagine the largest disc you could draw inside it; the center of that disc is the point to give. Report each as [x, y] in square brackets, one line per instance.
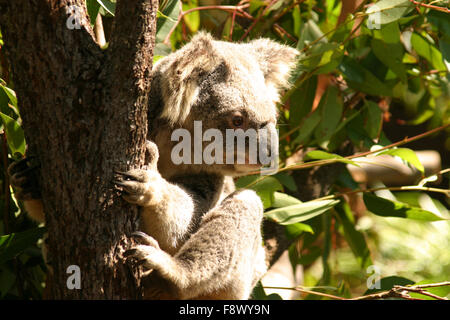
[276, 61]
[179, 74]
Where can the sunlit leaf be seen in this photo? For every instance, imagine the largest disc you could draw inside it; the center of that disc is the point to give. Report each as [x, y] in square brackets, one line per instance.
[386, 11]
[407, 155]
[294, 230]
[192, 19]
[322, 155]
[93, 8]
[281, 200]
[265, 187]
[108, 6]
[14, 134]
[428, 51]
[391, 54]
[167, 19]
[300, 212]
[387, 208]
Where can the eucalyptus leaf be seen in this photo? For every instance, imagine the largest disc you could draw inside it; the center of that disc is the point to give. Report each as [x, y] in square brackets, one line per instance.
[428, 51]
[386, 11]
[387, 208]
[388, 283]
[13, 244]
[14, 135]
[322, 155]
[407, 155]
[300, 212]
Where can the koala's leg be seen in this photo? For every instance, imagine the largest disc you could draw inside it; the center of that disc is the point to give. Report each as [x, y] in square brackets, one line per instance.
[24, 178]
[220, 260]
[167, 209]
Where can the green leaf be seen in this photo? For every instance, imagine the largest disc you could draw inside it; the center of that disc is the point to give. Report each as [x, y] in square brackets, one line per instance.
[407, 155]
[428, 51]
[361, 79]
[387, 11]
[442, 291]
[391, 54]
[13, 244]
[322, 155]
[374, 119]
[325, 55]
[11, 95]
[192, 19]
[440, 20]
[300, 212]
[286, 180]
[108, 6]
[93, 8]
[352, 70]
[265, 187]
[388, 283]
[294, 230]
[301, 101]
[389, 33]
[307, 128]
[354, 238]
[331, 108]
[281, 200]
[387, 208]
[167, 18]
[309, 33]
[14, 134]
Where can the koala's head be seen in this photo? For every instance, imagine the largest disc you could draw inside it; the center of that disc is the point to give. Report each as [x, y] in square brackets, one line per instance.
[210, 88]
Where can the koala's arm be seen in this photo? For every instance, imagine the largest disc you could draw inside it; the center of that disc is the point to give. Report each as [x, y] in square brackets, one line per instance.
[170, 210]
[222, 260]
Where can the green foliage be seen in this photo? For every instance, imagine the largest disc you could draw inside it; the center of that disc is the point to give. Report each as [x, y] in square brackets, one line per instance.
[390, 57]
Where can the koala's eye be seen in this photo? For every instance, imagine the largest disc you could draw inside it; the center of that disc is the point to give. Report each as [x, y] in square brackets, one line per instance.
[238, 121]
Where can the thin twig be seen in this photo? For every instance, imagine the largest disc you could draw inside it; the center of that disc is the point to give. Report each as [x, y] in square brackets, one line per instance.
[402, 188]
[429, 6]
[257, 20]
[396, 292]
[302, 290]
[331, 161]
[233, 9]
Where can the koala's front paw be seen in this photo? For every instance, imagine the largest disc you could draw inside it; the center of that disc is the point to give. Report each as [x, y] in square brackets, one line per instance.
[24, 176]
[148, 252]
[141, 187]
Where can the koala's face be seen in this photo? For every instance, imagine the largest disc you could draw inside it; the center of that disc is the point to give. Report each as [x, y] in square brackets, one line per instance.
[224, 94]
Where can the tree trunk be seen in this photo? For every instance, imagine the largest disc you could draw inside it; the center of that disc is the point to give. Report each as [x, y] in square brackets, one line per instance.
[84, 114]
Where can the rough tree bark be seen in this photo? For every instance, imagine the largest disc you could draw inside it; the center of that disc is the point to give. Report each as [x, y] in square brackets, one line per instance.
[84, 114]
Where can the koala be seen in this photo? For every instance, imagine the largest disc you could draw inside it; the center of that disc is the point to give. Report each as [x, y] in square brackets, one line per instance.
[200, 238]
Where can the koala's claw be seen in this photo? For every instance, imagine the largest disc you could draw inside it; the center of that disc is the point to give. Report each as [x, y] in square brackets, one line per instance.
[139, 186]
[145, 239]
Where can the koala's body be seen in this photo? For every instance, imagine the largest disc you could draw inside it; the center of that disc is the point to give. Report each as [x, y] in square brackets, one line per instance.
[202, 239]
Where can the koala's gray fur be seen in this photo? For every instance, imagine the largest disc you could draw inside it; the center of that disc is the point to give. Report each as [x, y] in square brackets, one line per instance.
[205, 239]
[201, 237]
